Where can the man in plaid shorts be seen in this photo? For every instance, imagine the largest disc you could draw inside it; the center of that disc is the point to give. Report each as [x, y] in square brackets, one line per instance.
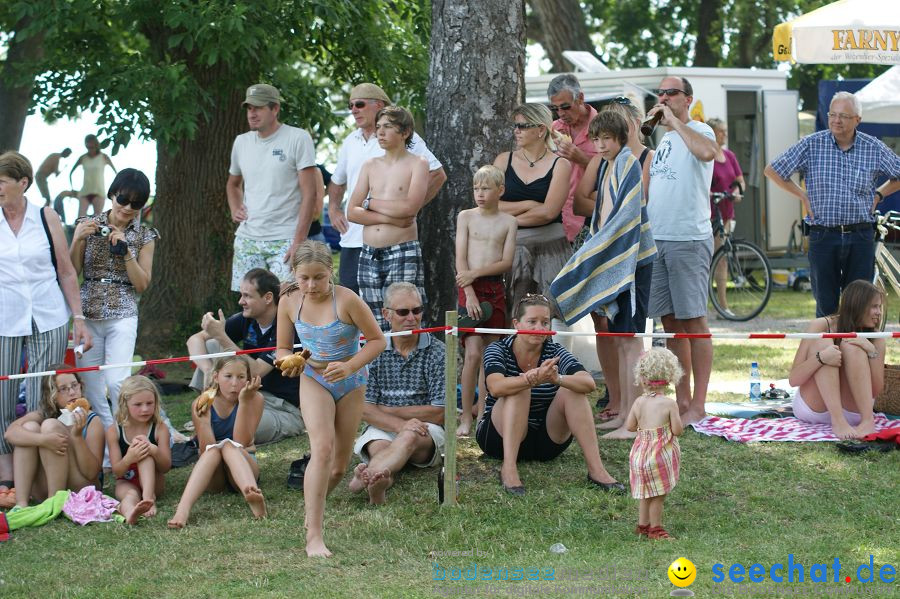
[389, 193]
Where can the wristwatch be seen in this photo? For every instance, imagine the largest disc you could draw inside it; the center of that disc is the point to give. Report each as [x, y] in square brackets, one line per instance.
[880, 196]
[365, 204]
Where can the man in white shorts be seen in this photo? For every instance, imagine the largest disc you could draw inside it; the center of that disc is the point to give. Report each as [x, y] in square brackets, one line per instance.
[678, 208]
[271, 188]
[404, 406]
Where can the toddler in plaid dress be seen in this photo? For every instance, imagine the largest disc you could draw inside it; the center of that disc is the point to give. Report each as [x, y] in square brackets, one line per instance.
[655, 456]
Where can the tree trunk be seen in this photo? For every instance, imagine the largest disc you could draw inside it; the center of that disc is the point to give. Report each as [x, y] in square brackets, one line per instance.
[192, 263]
[707, 50]
[559, 25]
[474, 83]
[16, 84]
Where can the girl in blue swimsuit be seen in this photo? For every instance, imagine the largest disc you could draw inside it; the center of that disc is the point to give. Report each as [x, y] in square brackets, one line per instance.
[328, 320]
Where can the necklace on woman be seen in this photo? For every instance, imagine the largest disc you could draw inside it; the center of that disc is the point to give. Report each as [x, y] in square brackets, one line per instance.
[531, 162]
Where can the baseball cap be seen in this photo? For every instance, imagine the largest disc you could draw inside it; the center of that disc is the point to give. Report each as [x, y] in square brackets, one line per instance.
[369, 91]
[261, 94]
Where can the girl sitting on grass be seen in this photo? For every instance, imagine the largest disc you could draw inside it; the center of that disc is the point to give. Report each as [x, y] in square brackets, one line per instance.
[655, 456]
[225, 418]
[48, 455]
[138, 448]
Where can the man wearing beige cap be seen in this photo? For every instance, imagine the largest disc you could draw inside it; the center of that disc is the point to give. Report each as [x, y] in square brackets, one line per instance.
[366, 99]
[271, 188]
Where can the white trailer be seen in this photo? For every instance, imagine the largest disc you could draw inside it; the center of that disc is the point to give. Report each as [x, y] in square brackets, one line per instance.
[762, 122]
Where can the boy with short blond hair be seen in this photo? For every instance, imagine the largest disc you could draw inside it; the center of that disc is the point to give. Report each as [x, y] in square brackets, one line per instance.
[485, 244]
[389, 193]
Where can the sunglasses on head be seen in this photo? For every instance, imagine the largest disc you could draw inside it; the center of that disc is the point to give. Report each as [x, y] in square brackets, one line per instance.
[672, 91]
[523, 126]
[405, 311]
[123, 200]
[359, 104]
[622, 100]
[556, 108]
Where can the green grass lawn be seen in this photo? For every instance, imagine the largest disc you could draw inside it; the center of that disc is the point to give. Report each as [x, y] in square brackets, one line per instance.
[735, 503]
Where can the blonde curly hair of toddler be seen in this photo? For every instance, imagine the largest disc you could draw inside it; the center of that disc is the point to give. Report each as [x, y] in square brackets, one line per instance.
[658, 368]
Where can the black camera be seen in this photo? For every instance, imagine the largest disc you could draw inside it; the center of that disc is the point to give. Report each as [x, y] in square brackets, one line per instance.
[119, 248]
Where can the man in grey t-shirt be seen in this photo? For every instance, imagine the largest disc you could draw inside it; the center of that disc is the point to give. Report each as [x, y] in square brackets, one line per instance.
[271, 188]
[678, 208]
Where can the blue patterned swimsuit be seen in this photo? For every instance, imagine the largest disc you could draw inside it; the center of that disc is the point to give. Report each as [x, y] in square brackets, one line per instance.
[331, 342]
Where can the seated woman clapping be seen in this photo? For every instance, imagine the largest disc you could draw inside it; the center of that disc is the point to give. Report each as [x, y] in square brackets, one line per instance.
[537, 401]
[838, 379]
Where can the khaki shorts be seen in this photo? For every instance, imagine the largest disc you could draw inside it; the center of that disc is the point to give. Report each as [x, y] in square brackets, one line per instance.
[680, 284]
[373, 433]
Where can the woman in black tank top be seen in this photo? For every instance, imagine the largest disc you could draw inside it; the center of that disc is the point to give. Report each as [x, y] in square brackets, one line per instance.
[536, 187]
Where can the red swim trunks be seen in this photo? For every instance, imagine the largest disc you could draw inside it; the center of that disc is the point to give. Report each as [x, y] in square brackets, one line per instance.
[491, 290]
[131, 475]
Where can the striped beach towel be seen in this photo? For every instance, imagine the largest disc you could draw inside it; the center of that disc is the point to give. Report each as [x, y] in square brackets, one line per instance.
[604, 266]
[743, 430]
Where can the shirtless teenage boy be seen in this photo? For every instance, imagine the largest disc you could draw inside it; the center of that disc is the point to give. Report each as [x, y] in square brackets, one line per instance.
[388, 195]
[485, 245]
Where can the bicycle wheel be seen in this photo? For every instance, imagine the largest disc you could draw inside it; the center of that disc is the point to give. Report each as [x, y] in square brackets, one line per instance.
[745, 281]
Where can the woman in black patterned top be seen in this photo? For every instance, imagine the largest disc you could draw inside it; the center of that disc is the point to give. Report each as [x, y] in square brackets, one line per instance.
[114, 251]
[537, 401]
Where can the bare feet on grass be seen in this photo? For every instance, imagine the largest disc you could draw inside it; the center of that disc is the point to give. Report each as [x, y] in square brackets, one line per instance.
[179, 520]
[142, 507]
[152, 511]
[611, 424]
[620, 433]
[315, 546]
[256, 501]
[360, 478]
[692, 417]
[379, 483]
[465, 427]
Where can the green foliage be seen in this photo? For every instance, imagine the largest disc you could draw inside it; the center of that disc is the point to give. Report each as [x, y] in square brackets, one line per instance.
[643, 33]
[161, 69]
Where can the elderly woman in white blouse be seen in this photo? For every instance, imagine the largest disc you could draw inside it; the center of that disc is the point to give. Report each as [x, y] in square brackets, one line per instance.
[38, 293]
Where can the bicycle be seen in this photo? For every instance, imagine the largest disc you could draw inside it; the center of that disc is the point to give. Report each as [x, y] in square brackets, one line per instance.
[740, 277]
[886, 266]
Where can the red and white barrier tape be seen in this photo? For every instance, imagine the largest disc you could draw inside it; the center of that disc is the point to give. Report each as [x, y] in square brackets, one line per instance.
[484, 331]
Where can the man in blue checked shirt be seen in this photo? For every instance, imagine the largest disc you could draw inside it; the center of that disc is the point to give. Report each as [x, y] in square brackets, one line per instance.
[840, 167]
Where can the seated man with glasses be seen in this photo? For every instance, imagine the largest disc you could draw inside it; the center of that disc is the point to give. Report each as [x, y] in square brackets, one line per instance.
[404, 406]
[840, 167]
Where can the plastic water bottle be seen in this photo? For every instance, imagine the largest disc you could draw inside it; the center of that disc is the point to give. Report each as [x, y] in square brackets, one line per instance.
[755, 383]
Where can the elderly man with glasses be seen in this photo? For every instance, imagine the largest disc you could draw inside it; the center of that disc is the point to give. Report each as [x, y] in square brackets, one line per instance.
[404, 406]
[840, 167]
[678, 207]
[572, 142]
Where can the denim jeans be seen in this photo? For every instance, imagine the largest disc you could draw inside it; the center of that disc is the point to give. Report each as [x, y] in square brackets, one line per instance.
[836, 260]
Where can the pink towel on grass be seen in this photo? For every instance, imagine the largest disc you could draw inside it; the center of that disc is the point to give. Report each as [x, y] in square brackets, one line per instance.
[743, 430]
[89, 505]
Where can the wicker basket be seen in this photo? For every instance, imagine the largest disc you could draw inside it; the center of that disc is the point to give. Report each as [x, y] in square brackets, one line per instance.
[889, 400]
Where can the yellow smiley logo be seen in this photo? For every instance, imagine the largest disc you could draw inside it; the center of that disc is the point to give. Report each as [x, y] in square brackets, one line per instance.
[682, 572]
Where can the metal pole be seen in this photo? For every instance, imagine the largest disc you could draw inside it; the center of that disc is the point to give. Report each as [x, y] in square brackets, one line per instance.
[451, 340]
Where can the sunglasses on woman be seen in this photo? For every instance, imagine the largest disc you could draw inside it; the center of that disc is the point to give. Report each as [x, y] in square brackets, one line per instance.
[405, 311]
[124, 200]
[523, 126]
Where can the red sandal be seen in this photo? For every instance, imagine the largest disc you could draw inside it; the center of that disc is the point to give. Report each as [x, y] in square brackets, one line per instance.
[642, 529]
[659, 533]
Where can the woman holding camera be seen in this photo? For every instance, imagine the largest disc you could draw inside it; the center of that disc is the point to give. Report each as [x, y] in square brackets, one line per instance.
[115, 253]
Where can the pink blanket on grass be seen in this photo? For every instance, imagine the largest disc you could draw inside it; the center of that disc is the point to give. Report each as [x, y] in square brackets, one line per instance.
[743, 430]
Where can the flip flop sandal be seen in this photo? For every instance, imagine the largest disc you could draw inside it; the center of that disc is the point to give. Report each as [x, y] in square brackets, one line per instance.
[606, 414]
[297, 473]
[866, 446]
[642, 530]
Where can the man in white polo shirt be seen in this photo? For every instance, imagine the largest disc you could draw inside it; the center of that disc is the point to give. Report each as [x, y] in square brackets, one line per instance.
[366, 99]
[271, 188]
